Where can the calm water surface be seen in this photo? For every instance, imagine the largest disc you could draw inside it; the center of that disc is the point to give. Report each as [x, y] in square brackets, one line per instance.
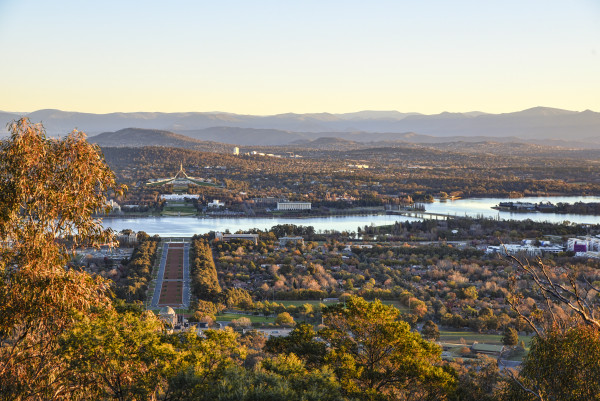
[483, 207]
[188, 226]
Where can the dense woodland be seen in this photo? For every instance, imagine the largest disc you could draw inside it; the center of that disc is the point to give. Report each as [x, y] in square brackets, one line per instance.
[491, 231]
[135, 274]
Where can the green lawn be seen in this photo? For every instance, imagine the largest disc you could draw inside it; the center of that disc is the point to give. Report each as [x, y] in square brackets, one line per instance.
[302, 302]
[253, 318]
[470, 337]
[179, 208]
[187, 209]
[397, 305]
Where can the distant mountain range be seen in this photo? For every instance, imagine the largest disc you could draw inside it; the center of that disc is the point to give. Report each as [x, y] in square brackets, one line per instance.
[567, 128]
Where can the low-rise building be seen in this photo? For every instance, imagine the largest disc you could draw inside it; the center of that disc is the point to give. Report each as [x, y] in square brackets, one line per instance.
[584, 244]
[529, 250]
[349, 247]
[168, 315]
[216, 203]
[279, 332]
[228, 237]
[294, 205]
[127, 239]
[268, 201]
[283, 241]
[487, 349]
[178, 197]
[114, 206]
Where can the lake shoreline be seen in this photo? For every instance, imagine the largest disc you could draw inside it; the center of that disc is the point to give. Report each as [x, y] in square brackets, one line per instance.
[368, 211]
[475, 208]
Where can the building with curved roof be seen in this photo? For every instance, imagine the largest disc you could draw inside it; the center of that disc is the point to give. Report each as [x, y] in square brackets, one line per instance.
[182, 179]
[168, 315]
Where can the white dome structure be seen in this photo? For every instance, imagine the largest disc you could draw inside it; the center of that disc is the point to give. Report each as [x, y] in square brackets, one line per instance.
[168, 315]
[166, 310]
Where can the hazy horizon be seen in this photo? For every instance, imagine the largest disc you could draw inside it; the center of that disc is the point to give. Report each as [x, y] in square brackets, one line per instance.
[294, 112]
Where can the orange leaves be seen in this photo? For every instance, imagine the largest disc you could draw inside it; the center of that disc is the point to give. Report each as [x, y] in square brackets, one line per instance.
[49, 190]
[56, 184]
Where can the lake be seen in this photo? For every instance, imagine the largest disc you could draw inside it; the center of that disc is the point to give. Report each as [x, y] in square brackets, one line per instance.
[483, 207]
[187, 226]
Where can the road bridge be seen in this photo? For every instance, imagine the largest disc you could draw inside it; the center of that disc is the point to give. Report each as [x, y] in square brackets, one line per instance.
[421, 214]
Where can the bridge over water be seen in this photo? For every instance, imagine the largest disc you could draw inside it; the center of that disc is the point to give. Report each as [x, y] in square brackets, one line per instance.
[420, 214]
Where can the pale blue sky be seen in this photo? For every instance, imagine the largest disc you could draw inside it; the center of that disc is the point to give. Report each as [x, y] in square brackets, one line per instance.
[267, 57]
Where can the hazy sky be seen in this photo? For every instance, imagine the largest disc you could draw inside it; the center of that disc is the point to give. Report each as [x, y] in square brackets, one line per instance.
[267, 57]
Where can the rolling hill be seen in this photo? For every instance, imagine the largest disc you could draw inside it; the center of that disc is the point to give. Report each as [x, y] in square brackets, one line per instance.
[138, 137]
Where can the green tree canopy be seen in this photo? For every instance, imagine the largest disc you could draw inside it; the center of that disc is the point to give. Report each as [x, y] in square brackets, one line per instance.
[302, 342]
[561, 366]
[510, 337]
[430, 331]
[49, 189]
[284, 319]
[118, 356]
[376, 356]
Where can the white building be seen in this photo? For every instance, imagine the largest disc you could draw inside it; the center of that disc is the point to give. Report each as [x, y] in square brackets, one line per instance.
[529, 250]
[584, 244]
[283, 241]
[114, 206]
[216, 203]
[236, 151]
[127, 239]
[228, 237]
[294, 205]
[279, 332]
[349, 247]
[178, 197]
[168, 315]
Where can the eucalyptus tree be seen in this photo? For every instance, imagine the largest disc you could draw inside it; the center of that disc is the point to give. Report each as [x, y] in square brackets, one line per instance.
[49, 191]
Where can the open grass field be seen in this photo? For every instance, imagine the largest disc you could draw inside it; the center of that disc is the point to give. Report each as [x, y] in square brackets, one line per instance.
[193, 213]
[470, 337]
[253, 318]
[179, 209]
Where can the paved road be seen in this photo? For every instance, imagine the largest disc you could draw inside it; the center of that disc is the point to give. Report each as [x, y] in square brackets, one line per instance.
[186, 275]
[505, 363]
